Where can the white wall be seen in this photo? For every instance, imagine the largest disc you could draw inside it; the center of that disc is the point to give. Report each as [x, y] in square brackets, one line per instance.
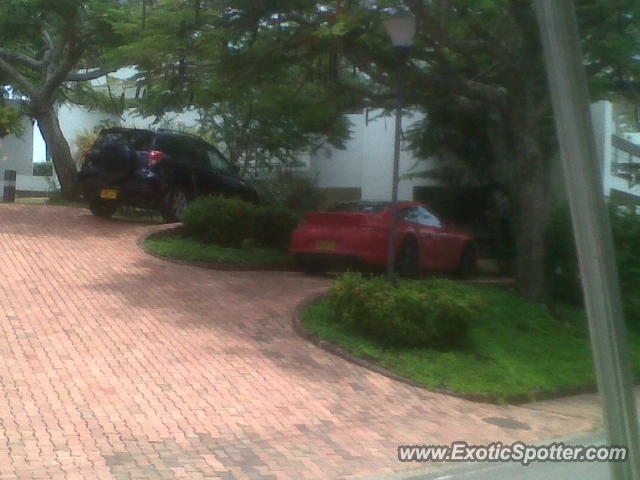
[365, 163]
[334, 168]
[367, 160]
[16, 152]
[29, 183]
[603, 123]
[73, 121]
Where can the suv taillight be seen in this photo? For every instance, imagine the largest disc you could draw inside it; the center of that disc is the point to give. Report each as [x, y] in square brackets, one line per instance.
[154, 157]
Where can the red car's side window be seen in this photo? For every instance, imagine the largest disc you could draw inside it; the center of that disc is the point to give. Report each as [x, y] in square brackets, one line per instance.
[420, 216]
[426, 218]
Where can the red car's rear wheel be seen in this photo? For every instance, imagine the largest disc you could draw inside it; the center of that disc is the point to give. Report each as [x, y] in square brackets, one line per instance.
[312, 268]
[408, 263]
[467, 260]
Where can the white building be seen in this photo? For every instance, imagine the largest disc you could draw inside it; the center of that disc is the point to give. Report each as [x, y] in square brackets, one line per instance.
[619, 148]
[16, 153]
[16, 150]
[363, 170]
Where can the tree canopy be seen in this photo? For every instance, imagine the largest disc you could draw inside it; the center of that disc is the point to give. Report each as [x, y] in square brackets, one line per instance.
[260, 85]
[45, 48]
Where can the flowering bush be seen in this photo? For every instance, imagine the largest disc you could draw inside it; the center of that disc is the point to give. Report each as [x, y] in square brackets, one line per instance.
[433, 313]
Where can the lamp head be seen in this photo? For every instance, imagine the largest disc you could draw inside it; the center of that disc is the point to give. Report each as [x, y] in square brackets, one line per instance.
[401, 28]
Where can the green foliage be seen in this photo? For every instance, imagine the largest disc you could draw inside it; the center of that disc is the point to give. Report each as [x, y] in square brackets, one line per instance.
[85, 139]
[47, 48]
[109, 98]
[10, 120]
[433, 313]
[289, 191]
[562, 265]
[515, 347]
[610, 41]
[36, 28]
[563, 271]
[626, 233]
[83, 142]
[232, 222]
[43, 169]
[272, 226]
[269, 126]
[219, 220]
[263, 97]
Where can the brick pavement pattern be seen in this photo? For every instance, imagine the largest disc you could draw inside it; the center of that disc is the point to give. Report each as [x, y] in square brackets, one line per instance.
[118, 365]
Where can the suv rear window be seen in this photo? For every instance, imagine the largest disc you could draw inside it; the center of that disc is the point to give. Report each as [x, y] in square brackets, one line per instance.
[139, 140]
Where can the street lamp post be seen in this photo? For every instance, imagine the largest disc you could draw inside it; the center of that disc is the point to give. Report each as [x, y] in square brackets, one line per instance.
[401, 28]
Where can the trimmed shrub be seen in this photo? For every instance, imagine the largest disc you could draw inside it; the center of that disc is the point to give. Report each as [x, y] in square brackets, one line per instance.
[273, 225]
[430, 313]
[219, 220]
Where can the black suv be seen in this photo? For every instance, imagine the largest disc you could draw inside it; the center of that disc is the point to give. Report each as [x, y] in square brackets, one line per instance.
[160, 170]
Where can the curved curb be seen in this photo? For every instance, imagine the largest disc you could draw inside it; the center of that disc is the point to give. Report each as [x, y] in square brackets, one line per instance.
[220, 266]
[518, 399]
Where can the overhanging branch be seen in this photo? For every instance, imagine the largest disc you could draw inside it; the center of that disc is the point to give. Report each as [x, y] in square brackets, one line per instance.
[20, 58]
[86, 76]
[14, 75]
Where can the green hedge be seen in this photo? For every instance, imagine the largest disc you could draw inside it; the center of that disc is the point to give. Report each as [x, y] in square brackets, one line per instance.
[230, 221]
[272, 226]
[219, 220]
[433, 313]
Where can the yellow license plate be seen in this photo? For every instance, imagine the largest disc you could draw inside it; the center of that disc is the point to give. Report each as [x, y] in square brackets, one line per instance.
[327, 245]
[108, 194]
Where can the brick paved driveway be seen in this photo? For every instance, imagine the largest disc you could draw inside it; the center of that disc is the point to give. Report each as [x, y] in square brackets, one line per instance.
[119, 365]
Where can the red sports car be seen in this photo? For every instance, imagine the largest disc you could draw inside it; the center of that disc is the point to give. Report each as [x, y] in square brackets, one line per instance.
[358, 232]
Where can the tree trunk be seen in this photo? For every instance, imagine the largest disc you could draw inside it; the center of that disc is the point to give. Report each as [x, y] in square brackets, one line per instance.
[532, 207]
[532, 146]
[524, 169]
[58, 147]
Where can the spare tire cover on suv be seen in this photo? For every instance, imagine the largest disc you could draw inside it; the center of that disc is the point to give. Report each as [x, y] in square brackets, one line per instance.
[115, 162]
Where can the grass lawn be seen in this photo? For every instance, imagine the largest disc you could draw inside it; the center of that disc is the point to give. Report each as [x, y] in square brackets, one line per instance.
[190, 249]
[516, 347]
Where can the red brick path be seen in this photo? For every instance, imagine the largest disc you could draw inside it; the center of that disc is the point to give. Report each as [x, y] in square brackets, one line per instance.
[118, 365]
